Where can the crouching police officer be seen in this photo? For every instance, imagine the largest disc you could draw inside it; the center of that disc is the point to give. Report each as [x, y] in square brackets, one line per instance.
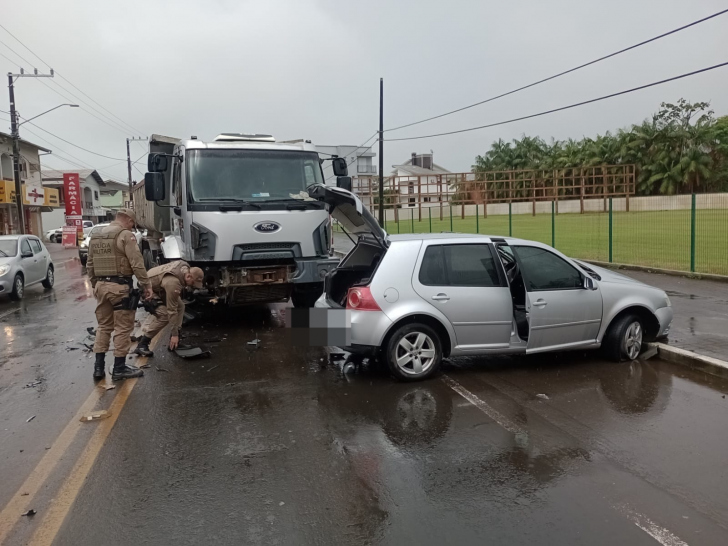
[167, 281]
[113, 257]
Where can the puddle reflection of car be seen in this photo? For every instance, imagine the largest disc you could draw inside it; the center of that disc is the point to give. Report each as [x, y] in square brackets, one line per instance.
[24, 261]
[414, 299]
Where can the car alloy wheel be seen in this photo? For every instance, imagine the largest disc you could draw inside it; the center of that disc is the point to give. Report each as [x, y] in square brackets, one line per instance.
[19, 287]
[415, 353]
[632, 343]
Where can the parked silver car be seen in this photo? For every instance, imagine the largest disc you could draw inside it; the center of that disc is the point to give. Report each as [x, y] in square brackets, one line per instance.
[24, 261]
[415, 299]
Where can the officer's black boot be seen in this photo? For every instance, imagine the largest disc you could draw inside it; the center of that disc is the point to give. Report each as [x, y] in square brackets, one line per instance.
[100, 366]
[122, 371]
[142, 348]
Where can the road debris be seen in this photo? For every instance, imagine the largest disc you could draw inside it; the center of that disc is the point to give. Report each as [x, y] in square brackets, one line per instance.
[33, 384]
[29, 513]
[210, 369]
[29, 419]
[95, 416]
[281, 503]
[91, 331]
[161, 369]
[190, 353]
[254, 343]
[542, 396]
[107, 387]
[337, 356]
[649, 353]
[144, 367]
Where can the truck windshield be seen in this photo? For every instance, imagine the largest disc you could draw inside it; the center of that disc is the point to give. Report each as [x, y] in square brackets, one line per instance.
[251, 175]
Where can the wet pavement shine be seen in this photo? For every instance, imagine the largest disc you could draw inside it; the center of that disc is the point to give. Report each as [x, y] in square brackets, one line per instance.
[274, 445]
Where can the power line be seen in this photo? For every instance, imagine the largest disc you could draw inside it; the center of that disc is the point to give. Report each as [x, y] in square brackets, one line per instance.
[565, 107]
[74, 145]
[66, 80]
[564, 72]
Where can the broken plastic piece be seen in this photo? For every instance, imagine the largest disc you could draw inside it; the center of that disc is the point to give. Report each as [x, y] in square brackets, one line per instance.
[255, 342]
[161, 369]
[91, 330]
[29, 419]
[542, 396]
[95, 416]
[649, 353]
[33, 384]
[192, 352]
[29, 513]
[107, 387]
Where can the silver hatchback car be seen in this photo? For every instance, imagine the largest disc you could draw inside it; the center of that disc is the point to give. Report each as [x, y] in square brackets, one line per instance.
[414, 299]
[24, 261]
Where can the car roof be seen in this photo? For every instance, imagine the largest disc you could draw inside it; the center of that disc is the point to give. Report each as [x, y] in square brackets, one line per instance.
[452, 236]
[16, 236]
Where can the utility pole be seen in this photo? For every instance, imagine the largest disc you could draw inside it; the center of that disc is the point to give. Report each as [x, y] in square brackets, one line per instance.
[128, 159]
[14, 125]
[381, 152]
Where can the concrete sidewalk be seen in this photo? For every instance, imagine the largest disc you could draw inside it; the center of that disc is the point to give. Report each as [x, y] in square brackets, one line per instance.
[700, 306]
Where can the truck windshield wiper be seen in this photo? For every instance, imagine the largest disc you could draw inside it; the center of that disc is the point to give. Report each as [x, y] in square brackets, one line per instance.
[231, 200]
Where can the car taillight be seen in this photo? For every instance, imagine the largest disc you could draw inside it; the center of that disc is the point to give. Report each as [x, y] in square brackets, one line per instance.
[361, 299]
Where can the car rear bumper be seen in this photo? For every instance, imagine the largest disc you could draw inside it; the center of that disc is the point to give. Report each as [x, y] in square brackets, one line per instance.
[368, 328]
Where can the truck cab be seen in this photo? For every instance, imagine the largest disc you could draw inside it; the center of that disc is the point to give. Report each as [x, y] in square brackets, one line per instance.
[238, 208]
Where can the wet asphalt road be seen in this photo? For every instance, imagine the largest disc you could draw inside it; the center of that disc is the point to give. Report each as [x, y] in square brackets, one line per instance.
[275, 446]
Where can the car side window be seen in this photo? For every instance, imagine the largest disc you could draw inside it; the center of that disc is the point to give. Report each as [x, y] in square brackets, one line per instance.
[35, 245]
[544, 270]
[459, 265]
[25, 247]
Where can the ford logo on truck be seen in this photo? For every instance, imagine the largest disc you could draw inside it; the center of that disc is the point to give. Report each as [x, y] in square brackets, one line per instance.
[267, 227]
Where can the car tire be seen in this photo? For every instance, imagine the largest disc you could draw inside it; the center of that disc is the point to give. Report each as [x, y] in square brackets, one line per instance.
[83, 259]
[404, 352]
[50, 278]
[623, 340]
[18, 288]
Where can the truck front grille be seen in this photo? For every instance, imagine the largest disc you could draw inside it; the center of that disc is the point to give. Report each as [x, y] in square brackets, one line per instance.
[259, 293]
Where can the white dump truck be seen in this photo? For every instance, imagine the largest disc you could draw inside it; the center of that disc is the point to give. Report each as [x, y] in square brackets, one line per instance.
[238, 208]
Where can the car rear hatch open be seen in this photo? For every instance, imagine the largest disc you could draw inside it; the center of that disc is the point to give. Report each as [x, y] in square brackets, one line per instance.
[359, 265]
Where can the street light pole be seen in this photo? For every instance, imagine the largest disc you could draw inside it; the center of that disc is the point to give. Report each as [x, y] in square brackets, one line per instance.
[128, 159]
[14, 125]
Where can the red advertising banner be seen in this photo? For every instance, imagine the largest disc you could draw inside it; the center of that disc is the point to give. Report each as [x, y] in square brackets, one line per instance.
[70, 236]
[72, 191]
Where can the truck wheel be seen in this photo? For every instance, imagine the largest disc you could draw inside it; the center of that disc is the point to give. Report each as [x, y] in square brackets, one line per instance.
[307, 294]
[148, 259]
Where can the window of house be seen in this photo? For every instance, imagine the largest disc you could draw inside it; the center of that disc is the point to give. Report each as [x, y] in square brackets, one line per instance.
[96, 195]
[544, 270]
[459, 265]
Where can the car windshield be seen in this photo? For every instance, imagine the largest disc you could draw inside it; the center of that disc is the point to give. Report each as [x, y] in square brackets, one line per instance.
[96, 229]
[251, 175]
[8, 247]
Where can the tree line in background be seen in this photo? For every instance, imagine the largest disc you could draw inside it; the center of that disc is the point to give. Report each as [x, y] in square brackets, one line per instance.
[682, 149]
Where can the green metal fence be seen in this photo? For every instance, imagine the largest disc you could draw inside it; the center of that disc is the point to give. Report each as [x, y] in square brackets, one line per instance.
[684, 232]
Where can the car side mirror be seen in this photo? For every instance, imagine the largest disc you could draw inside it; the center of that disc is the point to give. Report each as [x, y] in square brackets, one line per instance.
[154, 186]
[26, 254]
[589, 284]
[343, 182]
[340, 167]
[156, 163]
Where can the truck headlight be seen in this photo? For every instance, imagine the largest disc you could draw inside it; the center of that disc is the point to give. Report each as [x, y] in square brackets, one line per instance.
[4, 269]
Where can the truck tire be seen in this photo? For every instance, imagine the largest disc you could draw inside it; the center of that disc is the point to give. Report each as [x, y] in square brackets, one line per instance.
[148, 259]
[305, 295]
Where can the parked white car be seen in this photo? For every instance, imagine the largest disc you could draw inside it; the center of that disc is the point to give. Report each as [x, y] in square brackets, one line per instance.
[24, 261]
[54, 235]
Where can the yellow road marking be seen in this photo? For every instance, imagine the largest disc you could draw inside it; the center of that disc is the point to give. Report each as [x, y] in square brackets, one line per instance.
[59, 508]
[20, 503]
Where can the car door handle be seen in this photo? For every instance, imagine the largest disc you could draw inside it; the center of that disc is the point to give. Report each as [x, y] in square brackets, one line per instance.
[539, 303]
[441, 297]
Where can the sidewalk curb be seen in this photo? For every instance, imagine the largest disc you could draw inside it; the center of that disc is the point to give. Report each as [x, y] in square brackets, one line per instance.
[672, 272]
[692, 360]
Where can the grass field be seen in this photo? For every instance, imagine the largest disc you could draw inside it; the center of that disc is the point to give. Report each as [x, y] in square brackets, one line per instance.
[660, 239]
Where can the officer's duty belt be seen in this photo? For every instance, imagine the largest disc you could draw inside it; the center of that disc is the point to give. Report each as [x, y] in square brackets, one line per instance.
[117, 280]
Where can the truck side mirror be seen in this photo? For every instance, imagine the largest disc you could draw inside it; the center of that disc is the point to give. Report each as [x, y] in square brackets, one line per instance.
[154, 186]
[156, 163]
[343, 182]
[340, 167]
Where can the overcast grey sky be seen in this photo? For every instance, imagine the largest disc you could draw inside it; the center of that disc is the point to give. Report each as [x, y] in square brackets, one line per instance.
[311, 68]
